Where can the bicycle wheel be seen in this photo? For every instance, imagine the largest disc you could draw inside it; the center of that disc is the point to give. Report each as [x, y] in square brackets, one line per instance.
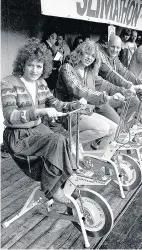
[97, 213]
[129, 171]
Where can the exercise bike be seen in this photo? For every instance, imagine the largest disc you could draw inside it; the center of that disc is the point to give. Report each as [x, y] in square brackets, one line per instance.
[114, 160]
[134, 138]
[89, 211]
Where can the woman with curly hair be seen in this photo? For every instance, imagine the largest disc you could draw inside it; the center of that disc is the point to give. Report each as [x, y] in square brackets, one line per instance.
[77, 79]
[40, 153]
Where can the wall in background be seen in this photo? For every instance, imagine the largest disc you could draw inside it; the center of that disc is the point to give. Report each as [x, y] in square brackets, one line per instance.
[10, 42]
[21, 19]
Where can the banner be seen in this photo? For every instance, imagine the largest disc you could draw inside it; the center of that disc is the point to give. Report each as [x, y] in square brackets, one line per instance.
[125, 13]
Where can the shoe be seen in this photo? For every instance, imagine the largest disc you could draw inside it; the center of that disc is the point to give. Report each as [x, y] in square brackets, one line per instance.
[95, 144]
[5, 155]
[60, 197]
[4, 152]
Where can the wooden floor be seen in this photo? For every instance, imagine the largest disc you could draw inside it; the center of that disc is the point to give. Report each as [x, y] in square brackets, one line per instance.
[36, 231]
[127, 234]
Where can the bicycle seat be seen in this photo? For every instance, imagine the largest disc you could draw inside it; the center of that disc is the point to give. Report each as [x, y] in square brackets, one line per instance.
[30, 165]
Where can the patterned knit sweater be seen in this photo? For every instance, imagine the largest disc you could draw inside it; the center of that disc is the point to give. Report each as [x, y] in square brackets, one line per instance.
[72, 87]
[18, 106]
[114, 71]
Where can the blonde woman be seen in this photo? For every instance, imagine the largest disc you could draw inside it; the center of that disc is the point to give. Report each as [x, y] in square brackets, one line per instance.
[76, 80]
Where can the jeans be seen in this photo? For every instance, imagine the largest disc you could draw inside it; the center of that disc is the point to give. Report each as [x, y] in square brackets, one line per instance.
[94, 127]
[40, 141]
[109, 112]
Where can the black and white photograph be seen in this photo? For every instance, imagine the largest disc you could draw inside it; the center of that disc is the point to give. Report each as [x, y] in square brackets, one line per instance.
[71, 124]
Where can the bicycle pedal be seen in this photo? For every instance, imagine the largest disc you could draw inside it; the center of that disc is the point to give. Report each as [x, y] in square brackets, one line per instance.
[44, 210]
[46, 207]
[39, 195]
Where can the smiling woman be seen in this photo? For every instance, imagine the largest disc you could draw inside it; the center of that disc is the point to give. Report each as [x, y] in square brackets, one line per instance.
[33, 70]
[26, 138]
[77, 79]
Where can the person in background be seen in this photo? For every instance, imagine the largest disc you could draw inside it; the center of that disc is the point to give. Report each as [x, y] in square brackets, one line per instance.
[103, 40]
[61, 46]
[136, 68]
[131, 46]
[86, 37]
[24, 95]
[133, 38]
[125, 35]
[123, 55]
[139, 40]
[50, 39]
[78, 40]
[136, 63]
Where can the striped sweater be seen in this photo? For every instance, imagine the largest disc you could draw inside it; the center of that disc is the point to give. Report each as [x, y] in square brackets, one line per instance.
[114, 71]
[18, 106]
[72, 87]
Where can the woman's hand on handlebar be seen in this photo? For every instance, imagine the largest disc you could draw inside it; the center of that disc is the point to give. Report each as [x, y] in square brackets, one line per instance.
[50, 112]
[83, 102]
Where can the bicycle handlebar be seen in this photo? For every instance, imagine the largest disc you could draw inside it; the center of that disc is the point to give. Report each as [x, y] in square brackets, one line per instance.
[70, 112]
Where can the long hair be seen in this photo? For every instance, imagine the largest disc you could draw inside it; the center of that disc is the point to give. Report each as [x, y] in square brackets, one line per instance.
[89, 47]
[34, 49]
